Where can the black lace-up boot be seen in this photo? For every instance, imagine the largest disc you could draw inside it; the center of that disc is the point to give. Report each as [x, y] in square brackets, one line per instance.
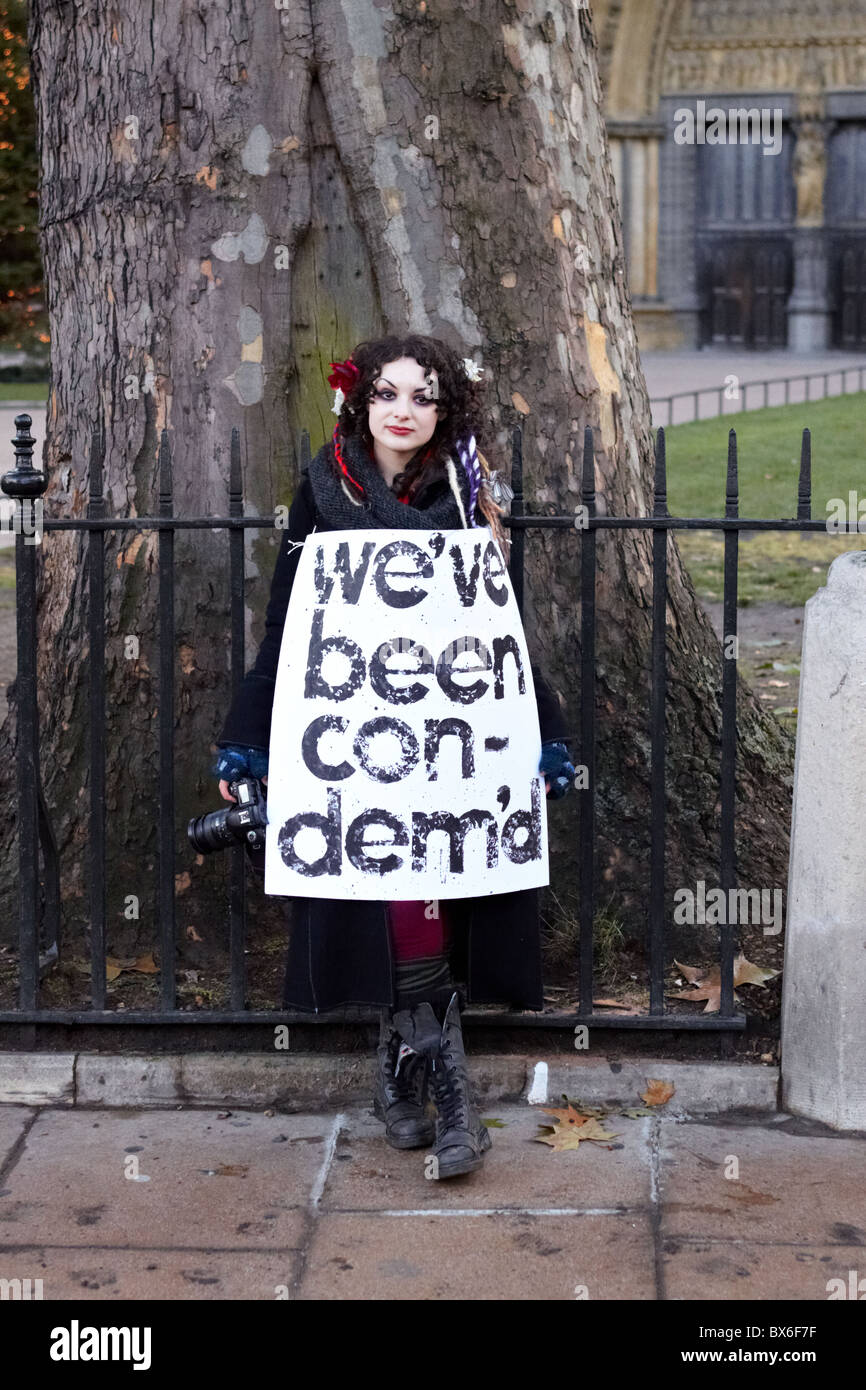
[401, 1089]
[461, 1136]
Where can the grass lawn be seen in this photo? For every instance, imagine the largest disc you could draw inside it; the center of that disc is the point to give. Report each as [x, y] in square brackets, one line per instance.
[23, 390]
[775, 567]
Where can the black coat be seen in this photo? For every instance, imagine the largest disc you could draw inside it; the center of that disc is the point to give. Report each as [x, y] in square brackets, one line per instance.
[340, 953]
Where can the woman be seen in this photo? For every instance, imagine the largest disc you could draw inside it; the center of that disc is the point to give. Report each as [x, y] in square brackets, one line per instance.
[403, 454]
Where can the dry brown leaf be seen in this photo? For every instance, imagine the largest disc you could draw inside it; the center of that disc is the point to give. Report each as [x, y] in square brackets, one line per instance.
[192, 934]
[657, 1092]
[589, 1112]
[145, 965]
[707, 984]
[608, 1004]
[568, 1116]
[745, 973]
[560, 1139]
[570, 1134]
[231, 1170]
[693, 973]
[709, 989]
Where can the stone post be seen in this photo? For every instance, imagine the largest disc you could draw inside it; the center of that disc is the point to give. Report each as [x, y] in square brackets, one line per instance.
[809, 307]
[809, 310]
[824, 981]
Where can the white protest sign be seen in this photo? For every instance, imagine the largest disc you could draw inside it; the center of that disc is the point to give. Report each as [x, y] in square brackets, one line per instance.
[404, 737]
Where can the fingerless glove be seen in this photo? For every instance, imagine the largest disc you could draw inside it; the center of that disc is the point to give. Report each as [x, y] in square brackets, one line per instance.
[556, 764]
[234, 761]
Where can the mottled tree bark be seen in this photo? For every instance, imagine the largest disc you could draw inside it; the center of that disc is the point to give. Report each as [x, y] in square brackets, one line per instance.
[232, 194]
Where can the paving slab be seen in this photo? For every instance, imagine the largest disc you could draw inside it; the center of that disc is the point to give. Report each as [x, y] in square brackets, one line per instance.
[472, 1257]
[13, 1122]
[110, 1275]
[368, 1174]
[318, 1206]
[211, 1183]
[744, 1269]
[779, 1188]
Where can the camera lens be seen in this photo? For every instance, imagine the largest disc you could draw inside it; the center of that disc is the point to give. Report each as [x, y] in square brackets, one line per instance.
[210, 832]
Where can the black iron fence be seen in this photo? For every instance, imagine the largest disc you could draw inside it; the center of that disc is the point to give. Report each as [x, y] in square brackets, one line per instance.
[38, 909]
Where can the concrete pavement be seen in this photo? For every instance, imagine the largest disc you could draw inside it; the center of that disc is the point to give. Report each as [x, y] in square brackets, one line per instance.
[196, 1204]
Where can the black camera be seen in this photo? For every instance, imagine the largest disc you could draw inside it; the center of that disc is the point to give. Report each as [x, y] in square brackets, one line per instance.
[243, 823]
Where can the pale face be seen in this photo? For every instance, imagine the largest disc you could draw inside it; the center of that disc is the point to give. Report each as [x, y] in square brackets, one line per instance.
[403, 412]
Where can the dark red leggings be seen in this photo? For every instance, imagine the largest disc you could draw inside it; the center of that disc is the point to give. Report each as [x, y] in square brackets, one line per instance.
[421, 937]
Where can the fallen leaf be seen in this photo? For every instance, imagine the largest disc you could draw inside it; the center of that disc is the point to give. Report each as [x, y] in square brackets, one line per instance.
[709, 988]
[567, 1116]
[495, 1124]
[596, 1112]
[232, 1170]
[192, 934]
[570, 1135]
[692, 973]
[608, 1004]
[145, 965]
[708, 983]
[636, 1113]
[658, 1092]
[745, 973]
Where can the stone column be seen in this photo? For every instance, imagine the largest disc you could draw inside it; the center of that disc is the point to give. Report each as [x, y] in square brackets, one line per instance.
[824, 981]
[809, 308]
[677, 247]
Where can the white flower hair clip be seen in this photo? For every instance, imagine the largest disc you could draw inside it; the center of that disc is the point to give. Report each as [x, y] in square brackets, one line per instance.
[472, 369]
[500, 490]
[338, 401]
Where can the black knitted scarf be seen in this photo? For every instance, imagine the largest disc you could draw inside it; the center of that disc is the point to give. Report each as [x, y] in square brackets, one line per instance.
[380, 506]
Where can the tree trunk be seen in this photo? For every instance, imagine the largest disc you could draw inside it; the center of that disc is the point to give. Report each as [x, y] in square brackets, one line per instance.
[302, 176]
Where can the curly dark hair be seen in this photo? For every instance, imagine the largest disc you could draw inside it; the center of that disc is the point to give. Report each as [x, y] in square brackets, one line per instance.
[460, 400]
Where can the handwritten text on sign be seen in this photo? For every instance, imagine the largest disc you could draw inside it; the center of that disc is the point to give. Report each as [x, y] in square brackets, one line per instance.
[404, 739]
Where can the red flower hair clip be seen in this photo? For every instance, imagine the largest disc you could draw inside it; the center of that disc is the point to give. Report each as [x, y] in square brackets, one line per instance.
[344, 375]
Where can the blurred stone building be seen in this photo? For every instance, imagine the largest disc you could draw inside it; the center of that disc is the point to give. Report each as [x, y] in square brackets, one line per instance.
[738, 135]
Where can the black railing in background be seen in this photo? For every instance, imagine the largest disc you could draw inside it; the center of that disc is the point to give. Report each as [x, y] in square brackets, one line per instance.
[744, 387]
[26, 485]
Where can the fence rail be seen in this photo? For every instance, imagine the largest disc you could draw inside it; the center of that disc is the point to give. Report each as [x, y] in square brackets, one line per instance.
[745, 387]
[39, 927]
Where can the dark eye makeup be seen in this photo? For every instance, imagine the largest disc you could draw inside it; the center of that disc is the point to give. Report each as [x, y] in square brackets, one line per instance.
[419, 399]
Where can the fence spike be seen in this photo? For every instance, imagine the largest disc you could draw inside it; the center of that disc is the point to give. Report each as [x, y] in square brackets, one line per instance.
[97, 458]
[732, 493]
[804, 486]
[588, 480]
[660, 498]
[236, 480]
[165, 481]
